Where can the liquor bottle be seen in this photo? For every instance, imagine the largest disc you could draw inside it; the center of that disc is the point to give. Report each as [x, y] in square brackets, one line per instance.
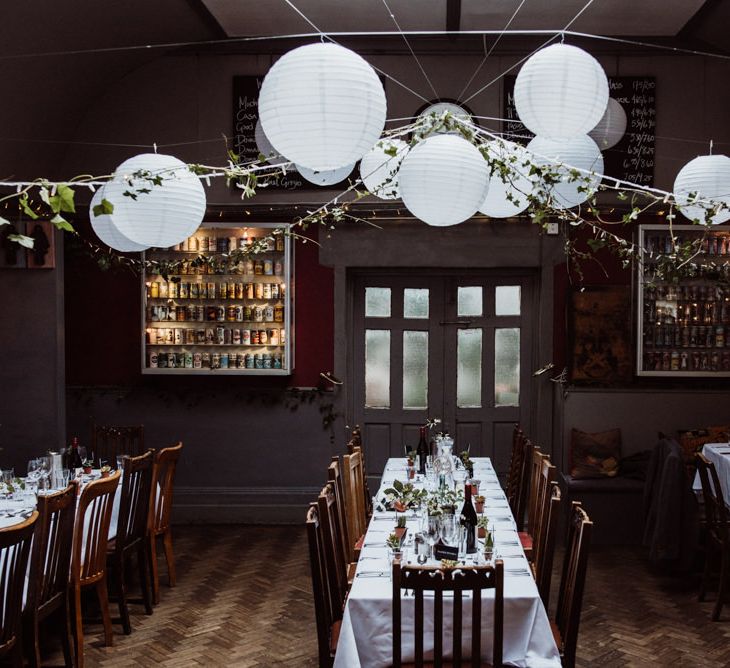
[74, 456]
[469, 520]
[422, 452]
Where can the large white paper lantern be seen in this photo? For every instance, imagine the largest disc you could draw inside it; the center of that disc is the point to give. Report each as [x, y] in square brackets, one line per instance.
[580, 153]
[707, 177]
[168, 213]
[273, 157]
[506, 198]
[327, 177]
[379, 170]
[561, 92]
[322, 106]
[611, 128]
[443, 180]
[105, 229]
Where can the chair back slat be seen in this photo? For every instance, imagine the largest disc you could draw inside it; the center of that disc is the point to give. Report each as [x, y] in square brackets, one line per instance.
[108, 441]
[515, 472]
[335, 477]
[163, 487]
[542, 507]
[570, 597]
[544, 562]
[354, 496]
[336, 568]
[91, 531]
[134, 503]
[15, 544]
[534, 494]
[355, 445]
[52, 543]
[421, 579]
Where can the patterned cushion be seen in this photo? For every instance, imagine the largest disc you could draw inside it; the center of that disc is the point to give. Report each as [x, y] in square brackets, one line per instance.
[595, 455]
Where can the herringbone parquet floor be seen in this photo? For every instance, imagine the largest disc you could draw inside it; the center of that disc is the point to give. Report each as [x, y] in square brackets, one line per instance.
[227, 611]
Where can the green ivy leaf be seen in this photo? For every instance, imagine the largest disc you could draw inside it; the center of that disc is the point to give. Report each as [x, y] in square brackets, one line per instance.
[61, 223]
[22, 240]
[106, 207]
[23, 201]
[4, 221]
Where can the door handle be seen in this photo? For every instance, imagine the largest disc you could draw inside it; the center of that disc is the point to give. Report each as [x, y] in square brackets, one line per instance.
[465, 323]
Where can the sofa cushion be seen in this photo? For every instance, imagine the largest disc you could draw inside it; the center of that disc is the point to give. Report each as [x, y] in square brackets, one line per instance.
[595, 455]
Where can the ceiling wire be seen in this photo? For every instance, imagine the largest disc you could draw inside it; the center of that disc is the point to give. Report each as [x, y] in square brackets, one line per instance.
[560, 34]
[324, 36]
[408, 44]
[489, 53]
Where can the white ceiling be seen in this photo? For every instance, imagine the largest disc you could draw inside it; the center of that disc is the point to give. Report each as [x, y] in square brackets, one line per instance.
[605, 17]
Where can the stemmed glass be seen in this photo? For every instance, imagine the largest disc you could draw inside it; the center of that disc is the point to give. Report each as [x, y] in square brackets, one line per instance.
[448, 529]
[432, 529]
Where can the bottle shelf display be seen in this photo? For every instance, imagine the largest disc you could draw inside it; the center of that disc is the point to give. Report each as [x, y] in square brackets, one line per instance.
[684, 325]
[216, 315]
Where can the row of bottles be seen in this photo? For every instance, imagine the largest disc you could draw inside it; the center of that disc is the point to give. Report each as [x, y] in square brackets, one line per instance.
[248, 267]
[237, 313]
[206, 360]
[687, 304]
[225, 242]
[686, 336]
[682, 360]
[222, 336]
[710, 245]
[214, 290]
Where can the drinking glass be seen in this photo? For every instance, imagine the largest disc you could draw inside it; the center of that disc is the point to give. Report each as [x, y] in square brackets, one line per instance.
[432, 531]
[448, 530]
[8, 475]
[34, 471]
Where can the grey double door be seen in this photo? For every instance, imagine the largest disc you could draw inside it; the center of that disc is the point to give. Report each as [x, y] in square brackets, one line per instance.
[440, 344]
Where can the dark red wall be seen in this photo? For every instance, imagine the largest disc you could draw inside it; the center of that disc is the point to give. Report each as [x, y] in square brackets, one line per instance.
[103, 321]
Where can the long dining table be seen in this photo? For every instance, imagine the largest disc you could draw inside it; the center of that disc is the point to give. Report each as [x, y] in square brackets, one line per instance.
[366, 632]
[719, 455]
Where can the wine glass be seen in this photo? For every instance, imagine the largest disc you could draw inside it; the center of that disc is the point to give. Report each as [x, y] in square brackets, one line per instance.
[448, 529]
[433, 525]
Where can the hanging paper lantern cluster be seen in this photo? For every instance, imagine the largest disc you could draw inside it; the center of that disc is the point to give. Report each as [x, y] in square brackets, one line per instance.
[506, 198]
[707, 177]
[166, 215]
[611, 128]
[322, 106]
[443, 180]
[379, 170]
[581, 153]
[560, 92]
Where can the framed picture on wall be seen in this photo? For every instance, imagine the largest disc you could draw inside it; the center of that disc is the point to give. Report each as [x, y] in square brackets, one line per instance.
[600, 349]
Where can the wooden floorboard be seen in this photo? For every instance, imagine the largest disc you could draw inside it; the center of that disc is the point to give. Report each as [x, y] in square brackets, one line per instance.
[225, 612]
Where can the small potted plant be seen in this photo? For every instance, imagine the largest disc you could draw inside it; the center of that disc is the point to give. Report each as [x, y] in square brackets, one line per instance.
[87, 465]
[394, 546]
[479, 503]
[400, 529]
[105, 471]
[482, 524]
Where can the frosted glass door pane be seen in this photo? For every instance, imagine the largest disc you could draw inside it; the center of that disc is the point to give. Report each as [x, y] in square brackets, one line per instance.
[507, 367]
[377, 368]
[507, 300]
[415, 303]
[415, 370]
[377, 302]
[469, 368]
[469, 301]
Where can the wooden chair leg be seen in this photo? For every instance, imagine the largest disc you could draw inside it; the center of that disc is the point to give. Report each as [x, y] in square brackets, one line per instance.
[722, 589]
[169, 558]
[144, 578]
[706, 575]
[121, 589]
[78, 629]
[103, 596]
[66, 636]
[16, 657]
[154, 576]
[30, 639]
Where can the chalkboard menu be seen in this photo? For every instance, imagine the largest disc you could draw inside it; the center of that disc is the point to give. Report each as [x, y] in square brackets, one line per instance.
[245, 114]
[632, 159]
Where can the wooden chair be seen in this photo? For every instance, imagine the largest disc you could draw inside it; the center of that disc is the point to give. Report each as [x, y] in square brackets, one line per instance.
[108, 441]
[131, 538]
[543, 565]
[354, 499]
[353, 444]
[542, 508]
[88, 557]
[50, 561]
[518, 478]
[334, 476]
[332, 542]
[572, 582]
[421, 579]
[328, 619]
[160, 509]
[14, 551]
[717, 518]
[528, 538]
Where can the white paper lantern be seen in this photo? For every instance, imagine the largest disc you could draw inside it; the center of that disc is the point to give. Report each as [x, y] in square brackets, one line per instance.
[443, 180]
[561, 92]
[273, 157]
[105, 229]
[327, 177]
[379, 170]
[579, 152]
[611, 128]
[707, 177]
[518, 186]
[168, 213]
[322, 106]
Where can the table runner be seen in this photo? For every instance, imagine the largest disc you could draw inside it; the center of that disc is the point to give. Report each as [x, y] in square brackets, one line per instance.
[366, 632]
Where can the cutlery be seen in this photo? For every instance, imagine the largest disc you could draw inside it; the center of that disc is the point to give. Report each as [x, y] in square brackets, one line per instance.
[371, 574]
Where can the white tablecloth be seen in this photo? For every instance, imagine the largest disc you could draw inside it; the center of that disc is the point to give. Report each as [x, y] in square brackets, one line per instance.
[719, 455]
[366, 637]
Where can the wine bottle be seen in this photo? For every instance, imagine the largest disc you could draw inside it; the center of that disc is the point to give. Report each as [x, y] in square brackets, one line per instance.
[469, 520]
[422, 452]
[74, 457]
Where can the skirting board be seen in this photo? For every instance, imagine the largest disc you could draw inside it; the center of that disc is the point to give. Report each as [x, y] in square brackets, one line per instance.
[242, 505]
